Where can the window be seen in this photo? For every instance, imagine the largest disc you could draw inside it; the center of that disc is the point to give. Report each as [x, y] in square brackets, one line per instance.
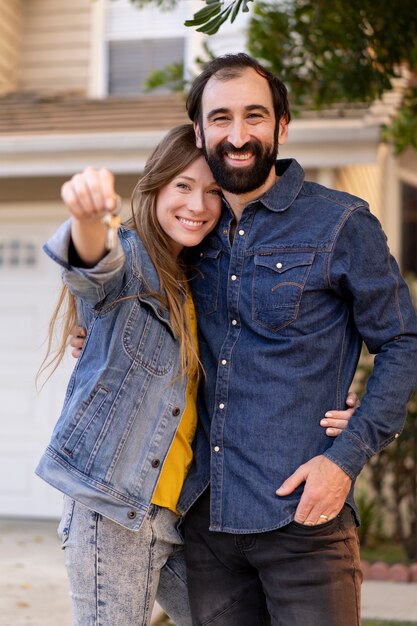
[16, 253]
[130, 63]
[409, 228]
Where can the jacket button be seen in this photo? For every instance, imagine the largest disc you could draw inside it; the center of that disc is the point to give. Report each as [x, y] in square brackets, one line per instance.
[176, 411]
[131, 514]
[155, 462]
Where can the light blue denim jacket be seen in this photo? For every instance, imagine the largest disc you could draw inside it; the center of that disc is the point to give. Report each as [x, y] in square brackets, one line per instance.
[282, 313]
[121, 408]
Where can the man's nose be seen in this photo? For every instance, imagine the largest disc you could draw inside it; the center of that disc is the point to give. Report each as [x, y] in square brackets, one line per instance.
[238, 134]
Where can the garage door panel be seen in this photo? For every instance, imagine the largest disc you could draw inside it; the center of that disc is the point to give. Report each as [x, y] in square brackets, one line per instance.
[29, 288]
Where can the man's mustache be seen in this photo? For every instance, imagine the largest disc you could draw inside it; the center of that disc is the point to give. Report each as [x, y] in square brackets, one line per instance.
[249, 146]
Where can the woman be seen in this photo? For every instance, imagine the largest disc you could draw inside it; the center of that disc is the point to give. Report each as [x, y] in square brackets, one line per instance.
[122, 446]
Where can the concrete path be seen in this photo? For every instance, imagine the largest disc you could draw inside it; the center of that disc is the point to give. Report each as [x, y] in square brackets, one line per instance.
[34, 589]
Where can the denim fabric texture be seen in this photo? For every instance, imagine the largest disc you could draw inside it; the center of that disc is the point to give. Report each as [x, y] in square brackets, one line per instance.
[282, 313]
[121, 409]
[116, 574]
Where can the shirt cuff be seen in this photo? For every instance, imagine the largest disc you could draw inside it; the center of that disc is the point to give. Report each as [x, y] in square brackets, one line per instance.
[348, 452]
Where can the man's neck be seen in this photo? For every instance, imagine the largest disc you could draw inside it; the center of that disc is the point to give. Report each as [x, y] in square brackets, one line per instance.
[238, 202]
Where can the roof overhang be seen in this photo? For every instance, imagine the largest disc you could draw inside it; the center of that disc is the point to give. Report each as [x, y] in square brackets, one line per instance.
[314, 143]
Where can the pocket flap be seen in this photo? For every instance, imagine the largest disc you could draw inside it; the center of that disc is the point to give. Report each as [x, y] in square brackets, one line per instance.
[281, 262]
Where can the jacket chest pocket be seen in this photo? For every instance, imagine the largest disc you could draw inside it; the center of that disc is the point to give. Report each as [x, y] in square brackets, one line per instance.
[204, 282]
[278, 283]
[148, 341]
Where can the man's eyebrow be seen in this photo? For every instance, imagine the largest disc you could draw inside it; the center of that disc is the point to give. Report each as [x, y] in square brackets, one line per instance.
[248, 108]
[217, 111]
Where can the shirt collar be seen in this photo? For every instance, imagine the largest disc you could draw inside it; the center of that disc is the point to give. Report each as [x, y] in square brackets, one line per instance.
[282, 195]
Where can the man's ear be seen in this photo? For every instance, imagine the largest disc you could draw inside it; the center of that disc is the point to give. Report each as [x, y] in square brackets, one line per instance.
[197, 131]
[283, 130]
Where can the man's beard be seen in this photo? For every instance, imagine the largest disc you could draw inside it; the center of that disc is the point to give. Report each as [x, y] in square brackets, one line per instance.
[239, 180]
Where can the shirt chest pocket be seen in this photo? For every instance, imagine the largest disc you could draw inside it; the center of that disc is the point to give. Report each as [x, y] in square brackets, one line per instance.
[278, 283]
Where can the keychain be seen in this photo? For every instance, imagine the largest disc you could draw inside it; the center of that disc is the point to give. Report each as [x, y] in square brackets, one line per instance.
[112, 222]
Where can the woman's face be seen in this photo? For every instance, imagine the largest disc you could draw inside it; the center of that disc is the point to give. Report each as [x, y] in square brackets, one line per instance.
[188, 207]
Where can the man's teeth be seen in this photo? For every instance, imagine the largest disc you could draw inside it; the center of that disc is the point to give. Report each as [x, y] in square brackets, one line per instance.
[240, 156]
[190, 222]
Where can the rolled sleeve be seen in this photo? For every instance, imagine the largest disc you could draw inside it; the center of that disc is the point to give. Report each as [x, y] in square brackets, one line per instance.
[91, 284]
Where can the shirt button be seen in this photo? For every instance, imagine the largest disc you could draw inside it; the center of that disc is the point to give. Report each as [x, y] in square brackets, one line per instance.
[225, 231]
[224, 362]
[176, 411]
[279, 265]
[233, 277]
[155, 462]
[216, 449]
[241, 232]
[221, 405]
[234, 322]
[396, 435]
[131, 514]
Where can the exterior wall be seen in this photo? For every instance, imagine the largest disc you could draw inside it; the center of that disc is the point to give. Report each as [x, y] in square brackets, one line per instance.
[363, 181]
[55, 46]
[121, 22]
[10, 39]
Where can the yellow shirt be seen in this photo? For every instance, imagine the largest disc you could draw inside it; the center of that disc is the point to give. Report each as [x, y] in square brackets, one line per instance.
[180, 455]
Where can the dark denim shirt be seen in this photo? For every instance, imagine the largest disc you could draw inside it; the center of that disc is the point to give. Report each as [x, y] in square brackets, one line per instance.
[283, 311]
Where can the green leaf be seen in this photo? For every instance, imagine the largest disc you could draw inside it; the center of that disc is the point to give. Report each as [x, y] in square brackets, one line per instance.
[211, 17]
[204, 14]
[236, 10]
[240, 6]
[213, 25]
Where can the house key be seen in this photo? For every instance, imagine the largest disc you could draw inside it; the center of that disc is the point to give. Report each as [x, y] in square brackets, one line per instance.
[112, 222]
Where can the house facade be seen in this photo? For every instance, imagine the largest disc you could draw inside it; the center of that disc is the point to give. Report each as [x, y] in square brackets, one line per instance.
[71, 95]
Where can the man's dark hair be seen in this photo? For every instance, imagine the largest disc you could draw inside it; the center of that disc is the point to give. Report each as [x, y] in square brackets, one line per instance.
[230, 66]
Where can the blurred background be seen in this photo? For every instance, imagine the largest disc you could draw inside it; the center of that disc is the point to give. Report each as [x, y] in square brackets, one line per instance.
[99, 82]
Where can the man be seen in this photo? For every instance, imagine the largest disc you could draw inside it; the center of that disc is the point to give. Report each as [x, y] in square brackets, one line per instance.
[290, 283]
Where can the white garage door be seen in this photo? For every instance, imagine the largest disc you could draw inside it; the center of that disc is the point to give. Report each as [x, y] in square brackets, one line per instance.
[29, 285]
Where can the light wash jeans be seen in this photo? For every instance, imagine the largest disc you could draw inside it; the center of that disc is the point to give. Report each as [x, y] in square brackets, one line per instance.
[115, 574]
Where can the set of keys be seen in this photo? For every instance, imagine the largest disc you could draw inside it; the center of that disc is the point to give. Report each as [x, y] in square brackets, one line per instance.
[112, 222]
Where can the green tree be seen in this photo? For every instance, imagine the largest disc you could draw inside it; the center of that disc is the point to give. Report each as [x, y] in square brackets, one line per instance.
[331, 51]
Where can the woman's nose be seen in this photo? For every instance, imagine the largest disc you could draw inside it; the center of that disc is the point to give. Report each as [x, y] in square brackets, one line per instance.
[197, 203]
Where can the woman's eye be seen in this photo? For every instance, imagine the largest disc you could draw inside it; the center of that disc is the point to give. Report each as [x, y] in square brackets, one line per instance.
[216, 192]
[183, 186]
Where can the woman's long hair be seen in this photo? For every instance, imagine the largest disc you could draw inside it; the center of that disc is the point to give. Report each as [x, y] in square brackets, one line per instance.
[176, 152]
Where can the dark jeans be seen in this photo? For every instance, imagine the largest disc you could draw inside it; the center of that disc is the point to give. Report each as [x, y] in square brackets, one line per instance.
[302, 575]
